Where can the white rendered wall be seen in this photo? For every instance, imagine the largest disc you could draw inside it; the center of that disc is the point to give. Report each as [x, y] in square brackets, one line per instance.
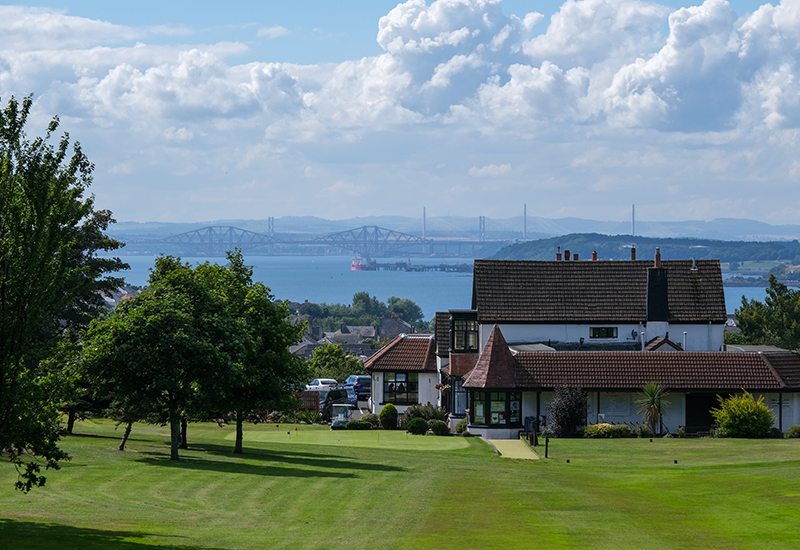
[518, 334]
[426, 388]
[699, 337]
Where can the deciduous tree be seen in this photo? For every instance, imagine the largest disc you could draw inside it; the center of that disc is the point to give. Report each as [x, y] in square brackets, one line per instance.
[330, 361]
[50, 280]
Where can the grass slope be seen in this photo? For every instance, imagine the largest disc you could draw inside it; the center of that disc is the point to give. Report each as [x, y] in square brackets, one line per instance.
[319, 489]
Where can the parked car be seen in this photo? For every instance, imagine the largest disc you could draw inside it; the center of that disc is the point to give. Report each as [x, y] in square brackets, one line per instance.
[319, 383]
[361, 384]
[331, 396]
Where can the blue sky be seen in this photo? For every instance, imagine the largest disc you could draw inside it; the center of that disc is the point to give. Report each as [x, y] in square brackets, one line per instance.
[193, 111]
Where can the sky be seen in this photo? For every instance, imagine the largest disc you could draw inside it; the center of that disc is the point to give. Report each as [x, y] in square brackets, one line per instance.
[199, 111]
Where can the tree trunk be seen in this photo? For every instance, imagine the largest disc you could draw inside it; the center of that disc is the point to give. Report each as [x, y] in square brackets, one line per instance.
[70, 421]
[184, 430]
[128, 429]
[175, 435]
[239, 434]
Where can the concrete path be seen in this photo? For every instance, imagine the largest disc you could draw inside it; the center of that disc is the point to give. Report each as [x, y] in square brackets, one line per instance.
[513, 448]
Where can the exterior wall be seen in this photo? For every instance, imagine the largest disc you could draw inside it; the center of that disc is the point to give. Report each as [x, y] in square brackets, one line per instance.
[495, 433]
[462, 363]
[560, 333]
[427, 392]
[704, 337]
[699, 337]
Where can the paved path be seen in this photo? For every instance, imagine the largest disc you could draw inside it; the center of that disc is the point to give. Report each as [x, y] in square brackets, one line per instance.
[513, 448]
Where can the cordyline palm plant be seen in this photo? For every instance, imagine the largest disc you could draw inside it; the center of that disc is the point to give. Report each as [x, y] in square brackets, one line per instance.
[652, 404]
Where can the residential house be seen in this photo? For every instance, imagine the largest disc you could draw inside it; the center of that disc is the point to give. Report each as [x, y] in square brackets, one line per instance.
[404, 373]
[506, 388]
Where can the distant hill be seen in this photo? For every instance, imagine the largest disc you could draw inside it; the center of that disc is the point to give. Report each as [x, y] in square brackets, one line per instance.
[456, 227]
[618, 247]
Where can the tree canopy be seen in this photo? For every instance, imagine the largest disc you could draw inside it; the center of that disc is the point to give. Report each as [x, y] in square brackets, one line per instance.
[365, 310]
[775, 321]
[197, 342]
[50, 282]
[330, 361]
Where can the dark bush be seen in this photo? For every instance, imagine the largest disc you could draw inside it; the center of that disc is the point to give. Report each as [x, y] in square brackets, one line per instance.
[466, 433]
[792, 432]
[372, 418]
[461, 427]
[426, 412]
[775, 433]
[567, 411]
[743, 416]
[417, 426]
[607, 430]
[439, 427]
[358, 425]
[388, 417]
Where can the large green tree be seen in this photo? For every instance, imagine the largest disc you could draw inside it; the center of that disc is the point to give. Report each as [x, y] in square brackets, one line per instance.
[330, 361]
[163, 350]
[266, 374]
[775, 321]
[50, 282]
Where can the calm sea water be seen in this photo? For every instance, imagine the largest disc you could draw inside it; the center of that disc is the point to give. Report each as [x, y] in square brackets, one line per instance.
[329, 279]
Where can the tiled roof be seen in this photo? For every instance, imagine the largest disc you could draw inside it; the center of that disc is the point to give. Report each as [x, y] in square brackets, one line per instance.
[442, 333]
[660, 342]
[677, 371]
[496, 367]
[507, 291]
[404, 353]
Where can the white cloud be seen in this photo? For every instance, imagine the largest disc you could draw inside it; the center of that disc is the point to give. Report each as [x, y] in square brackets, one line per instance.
[273, 32]
[490, 171]
[602, 100]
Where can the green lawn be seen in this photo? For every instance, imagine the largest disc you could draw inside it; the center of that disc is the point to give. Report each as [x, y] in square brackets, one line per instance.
[313, 488]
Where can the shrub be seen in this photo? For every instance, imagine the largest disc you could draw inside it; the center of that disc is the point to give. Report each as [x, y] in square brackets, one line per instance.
[461, 427]
[792, 432]
[426, 412]
[607, 430]
[567, 411]
[417, 426]
[466, 433]
[372, 418]
[775, 433]
[743, 416]
[358, 425]
[438, 427]
[309, 417]
[388, 417]
[641, 430]
[680, 432]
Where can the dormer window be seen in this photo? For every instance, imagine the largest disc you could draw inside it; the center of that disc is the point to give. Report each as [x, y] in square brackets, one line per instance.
[607, 333]
[464, 331]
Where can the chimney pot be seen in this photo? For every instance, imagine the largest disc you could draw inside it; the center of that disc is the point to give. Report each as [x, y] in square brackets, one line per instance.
[575, 257]
[594, 256]
[633, 253]
[658, 258]
[558, 256]
[566, 255]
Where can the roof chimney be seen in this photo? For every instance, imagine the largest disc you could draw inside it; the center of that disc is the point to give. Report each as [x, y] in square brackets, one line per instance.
[633, 253]
[558, 254]
[658, 258]
[594, 255]
[566, 255]
[575, 257]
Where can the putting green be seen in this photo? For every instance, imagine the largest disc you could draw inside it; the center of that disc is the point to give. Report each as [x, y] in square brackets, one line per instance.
[320, 435]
